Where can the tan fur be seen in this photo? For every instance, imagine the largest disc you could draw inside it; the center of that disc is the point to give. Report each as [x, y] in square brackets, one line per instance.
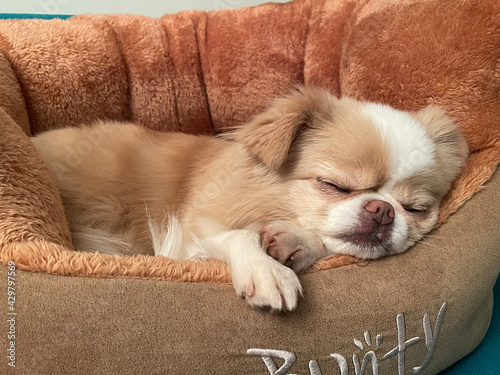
[115, 177]
[123, 173]
[451, 148]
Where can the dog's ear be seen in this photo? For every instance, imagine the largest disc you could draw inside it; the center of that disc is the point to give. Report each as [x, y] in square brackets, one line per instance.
[451, 147]
[270, 135]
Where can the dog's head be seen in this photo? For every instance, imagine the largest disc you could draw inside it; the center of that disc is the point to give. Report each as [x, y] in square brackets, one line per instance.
[367, 178]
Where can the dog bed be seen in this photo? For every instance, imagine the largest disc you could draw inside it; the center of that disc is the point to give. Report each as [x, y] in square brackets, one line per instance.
[199, 72]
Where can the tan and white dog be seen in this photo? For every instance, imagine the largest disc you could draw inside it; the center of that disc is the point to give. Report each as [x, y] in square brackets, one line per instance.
[312, 176]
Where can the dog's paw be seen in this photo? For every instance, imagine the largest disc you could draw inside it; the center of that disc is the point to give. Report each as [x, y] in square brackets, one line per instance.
[265, 283]
[292, 246]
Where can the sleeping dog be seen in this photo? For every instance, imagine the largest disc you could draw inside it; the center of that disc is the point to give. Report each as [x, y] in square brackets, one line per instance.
[312, 176]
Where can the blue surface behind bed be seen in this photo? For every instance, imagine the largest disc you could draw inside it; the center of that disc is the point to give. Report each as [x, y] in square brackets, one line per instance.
[21, 16]
[485, 360]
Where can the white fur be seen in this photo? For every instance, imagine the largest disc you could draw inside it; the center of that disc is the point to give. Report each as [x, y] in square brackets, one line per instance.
[344, 216]
[410, 149]
[167, 239]
[258, 278]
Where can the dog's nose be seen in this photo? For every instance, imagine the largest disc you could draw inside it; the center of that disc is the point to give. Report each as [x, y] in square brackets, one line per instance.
[382, 212]
[374, 224]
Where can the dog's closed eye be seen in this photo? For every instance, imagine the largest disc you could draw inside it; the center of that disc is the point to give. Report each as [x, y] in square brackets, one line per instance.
[415, 209]
[335, 186]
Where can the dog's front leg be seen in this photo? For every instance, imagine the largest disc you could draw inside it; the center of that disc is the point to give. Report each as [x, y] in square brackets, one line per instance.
[257, 277]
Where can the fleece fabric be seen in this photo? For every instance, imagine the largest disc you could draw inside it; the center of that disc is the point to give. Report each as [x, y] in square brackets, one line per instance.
[203, 72]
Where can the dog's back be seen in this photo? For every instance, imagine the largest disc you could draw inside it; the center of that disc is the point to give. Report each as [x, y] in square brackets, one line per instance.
[113, 176]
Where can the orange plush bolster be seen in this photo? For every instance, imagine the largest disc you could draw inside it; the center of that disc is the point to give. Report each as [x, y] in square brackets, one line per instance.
[48, 257]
